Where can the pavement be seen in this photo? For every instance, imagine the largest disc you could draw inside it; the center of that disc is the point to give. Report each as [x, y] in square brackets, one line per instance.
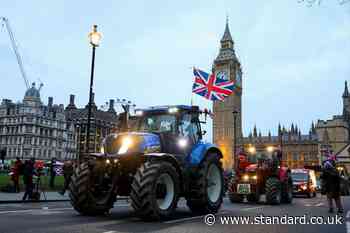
[17, 197]
[60, 217]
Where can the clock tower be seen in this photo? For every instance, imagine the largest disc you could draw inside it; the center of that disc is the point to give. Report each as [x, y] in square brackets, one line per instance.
[227, 66]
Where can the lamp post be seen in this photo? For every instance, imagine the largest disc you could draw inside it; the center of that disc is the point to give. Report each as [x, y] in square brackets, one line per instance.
[235, 160]
[94, 38]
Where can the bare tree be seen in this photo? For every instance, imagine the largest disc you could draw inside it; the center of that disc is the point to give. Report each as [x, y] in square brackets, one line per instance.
[318, 2]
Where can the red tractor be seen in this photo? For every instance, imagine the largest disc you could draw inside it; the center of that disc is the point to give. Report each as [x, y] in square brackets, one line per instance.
[266, 176]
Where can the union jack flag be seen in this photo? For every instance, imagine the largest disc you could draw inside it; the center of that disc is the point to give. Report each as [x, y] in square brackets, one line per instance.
[211, 87]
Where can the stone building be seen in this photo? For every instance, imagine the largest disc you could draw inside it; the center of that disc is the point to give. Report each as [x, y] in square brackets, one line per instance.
[32, 129]
[333, 134]
[102, 123]
[227, 66]
[298, 150]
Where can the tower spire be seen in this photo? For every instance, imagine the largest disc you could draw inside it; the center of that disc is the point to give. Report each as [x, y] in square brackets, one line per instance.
[227, 34]
[346, 91]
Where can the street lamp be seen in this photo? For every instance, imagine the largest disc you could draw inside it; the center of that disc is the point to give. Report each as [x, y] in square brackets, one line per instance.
[94, 38]
[235, 160]
[270, 149]
[252, 150]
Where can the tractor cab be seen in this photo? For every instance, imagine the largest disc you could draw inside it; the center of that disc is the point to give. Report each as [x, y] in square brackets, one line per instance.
[178, 126]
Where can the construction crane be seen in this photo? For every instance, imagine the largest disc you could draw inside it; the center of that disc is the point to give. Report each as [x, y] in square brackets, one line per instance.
[15, 50]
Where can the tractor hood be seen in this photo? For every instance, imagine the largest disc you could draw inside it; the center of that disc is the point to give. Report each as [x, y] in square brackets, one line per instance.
[131, 142]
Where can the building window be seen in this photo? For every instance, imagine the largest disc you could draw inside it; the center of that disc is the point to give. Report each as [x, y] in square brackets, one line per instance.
[295, 157]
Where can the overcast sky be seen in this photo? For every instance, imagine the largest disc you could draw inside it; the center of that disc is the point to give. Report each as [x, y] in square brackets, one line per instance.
[295, 58]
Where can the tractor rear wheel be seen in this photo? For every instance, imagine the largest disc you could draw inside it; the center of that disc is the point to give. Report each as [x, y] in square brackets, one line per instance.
[89, 194]
[287, 191]
[273, 191]
[155, 190]
[208, 186]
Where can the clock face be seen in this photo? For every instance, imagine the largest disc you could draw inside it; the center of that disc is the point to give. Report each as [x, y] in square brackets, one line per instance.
[238, 78]
[222, 75]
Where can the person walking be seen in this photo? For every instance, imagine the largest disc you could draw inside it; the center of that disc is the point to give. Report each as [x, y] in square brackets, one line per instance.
[17, 171]
[28, 172]
[67, 173]
[331, 184]
[52, 172]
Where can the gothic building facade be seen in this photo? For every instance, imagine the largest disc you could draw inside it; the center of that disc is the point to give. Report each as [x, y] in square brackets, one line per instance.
[102, 123]
[298, 150]
[333, 134]
[227, 66]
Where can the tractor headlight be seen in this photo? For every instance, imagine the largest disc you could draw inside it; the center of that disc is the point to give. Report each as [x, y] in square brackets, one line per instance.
[102, 150]
[303, 187]
[182, 142]
[126, 143]
[139, 113]
[245, 177]
[255, 177]
[108, 161]
[173, 110]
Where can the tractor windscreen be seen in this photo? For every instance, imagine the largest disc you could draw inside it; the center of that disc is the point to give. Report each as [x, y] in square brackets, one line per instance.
[299, 176]
[158, 123]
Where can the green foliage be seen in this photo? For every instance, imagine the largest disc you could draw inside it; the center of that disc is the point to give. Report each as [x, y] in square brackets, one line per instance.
[45, 180]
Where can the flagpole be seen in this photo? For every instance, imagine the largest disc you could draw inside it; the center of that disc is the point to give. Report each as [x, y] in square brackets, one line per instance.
[192, 89]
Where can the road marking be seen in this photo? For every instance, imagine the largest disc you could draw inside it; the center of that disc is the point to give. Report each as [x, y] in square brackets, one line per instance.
[33, 210]
[319, 204]
[15, 211]
[183, 219]
[308, 205]
[121, 205]
[253, 208]
[110, 232]
[192, 218]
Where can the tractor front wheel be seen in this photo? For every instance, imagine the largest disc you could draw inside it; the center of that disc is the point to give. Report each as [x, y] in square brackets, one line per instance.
[236, 198]
[254, 197]
[207, 190]
[155, 190]
[90, 193]
[273, 191]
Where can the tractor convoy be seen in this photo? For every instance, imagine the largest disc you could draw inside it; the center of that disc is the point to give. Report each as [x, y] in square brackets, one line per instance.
[161, 158]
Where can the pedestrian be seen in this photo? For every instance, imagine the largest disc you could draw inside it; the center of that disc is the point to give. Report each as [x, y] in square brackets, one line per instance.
[52, 172]
[17, 171]
[67, 174]
[331, 184]
[28, 172]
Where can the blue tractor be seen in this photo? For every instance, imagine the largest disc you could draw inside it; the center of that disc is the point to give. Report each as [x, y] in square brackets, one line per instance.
[161, 158]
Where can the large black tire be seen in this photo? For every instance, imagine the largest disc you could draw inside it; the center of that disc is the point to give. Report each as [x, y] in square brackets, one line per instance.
[273, 191]
[81, 193]
[287, 191]
[198, 199]
[254, 197]
[144, 190]
[235, 198]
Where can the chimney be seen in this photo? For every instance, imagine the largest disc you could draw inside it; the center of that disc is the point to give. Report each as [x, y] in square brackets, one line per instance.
[71, 104]
[50, 102]
[111, 106]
